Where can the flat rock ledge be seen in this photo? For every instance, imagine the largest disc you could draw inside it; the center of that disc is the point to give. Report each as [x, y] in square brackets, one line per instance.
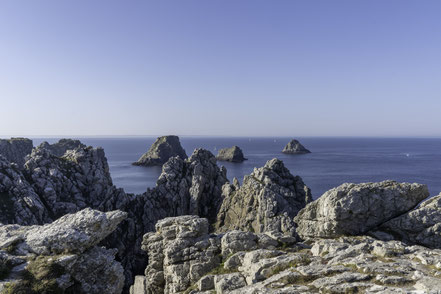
[232, 154]
[294, 147]
[61, 256]
[184, 258]
[162, 150]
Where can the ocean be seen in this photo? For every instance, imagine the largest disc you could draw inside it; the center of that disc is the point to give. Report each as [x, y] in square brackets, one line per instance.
[333, 161]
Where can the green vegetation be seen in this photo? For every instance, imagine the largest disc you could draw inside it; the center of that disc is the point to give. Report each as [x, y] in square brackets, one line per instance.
[40, 277]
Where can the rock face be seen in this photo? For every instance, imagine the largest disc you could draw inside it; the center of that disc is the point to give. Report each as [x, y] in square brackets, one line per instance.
[243, 262]
[59, 148]
[267, 201]
[164, 148]
[420, 226]
[354, 209]
[19, 204]
[180, 253]
[16, 149]
[62, 256]
[233, 154]
[294, 147]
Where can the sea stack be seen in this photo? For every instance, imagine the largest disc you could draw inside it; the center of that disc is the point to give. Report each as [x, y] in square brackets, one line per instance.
[294, 147]
[233, 154]
[163, 148]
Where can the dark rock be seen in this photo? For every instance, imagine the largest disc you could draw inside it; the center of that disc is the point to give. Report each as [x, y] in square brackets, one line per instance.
[294, 147]
[16, 149]
[162, 150]
[233, 154]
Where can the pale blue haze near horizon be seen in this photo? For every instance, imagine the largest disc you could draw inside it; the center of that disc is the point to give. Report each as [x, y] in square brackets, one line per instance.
[232, 68]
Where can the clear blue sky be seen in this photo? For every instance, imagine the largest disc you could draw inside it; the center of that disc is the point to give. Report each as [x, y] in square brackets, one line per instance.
[230, 67]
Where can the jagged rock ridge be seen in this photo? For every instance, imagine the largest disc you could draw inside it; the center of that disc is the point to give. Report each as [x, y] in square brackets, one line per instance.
[267, 201]
[162, 149]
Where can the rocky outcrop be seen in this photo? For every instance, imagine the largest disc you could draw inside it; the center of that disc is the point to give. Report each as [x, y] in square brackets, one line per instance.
[59, 148]
[192, 186]
[354, 209]
[294, 147]
[62, 256]
[248, 263]
[267, 201]
[162, 150]
[78, 179]
[420, 226]
[51, 186]
[180, 253]
[19, 203]
[16, 149]
[233, 154]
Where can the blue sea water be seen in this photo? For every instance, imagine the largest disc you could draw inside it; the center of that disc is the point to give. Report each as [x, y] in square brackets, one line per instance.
[333, 161]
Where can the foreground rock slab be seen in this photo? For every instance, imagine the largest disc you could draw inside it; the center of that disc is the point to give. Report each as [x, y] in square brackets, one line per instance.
[162, 149]
[294, 147]
[247, 263]
[354, 209]
[61, 256]
[232, 154]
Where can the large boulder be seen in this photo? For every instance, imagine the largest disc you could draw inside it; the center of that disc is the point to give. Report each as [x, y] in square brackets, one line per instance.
[59, 148]
[62, 256]
[233, 154]
[162, 150]
[294, 147]
[267, 201]
[354, 209]
[420, 226]
[72, 233]
[16, 149]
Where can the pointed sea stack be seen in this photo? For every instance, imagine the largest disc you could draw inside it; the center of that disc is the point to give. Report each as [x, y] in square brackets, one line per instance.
[233, 154]
[294, 147]
[163, 148]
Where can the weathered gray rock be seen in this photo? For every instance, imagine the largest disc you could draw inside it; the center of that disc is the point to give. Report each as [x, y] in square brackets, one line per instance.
[266, 202]
[16, 149]
[354, 209]
[63, 255]
[228, 282]
[60, 148]
[233, 154]
[192, 186]
[294, 147]
[19, 204]
[420, 226]
[180, 253]
[72, 233]
[78, 179]
[162, 150]
[340, 265]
